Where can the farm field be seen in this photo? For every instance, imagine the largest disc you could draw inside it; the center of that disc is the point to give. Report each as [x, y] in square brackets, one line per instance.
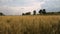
[37, 24]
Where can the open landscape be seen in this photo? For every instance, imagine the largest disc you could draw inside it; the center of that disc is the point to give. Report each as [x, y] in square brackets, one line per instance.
[28, 24]
[29, 16]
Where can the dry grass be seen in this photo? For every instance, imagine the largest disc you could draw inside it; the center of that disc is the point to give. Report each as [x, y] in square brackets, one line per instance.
[30, 24]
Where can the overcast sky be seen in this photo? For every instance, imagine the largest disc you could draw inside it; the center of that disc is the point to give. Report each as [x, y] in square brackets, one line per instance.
[17, 7]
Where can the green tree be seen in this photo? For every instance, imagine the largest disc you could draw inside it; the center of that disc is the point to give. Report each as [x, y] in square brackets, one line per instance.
[40, 11]
[44, 11]
[34, 12]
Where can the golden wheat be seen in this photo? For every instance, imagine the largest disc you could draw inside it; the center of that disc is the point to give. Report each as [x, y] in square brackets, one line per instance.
[30, 24]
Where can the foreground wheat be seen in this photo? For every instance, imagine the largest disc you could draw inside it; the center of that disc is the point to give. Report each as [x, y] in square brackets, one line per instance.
[30, 24]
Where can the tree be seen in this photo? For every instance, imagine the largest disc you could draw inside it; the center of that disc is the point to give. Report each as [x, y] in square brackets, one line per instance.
[1, 14]
[34, 12]
[40, 11]
[23, 14]
[28, 13]
[44, 11]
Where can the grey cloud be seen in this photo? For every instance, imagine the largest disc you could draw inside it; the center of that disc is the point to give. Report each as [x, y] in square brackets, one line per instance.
[52, 5]
[10, 11]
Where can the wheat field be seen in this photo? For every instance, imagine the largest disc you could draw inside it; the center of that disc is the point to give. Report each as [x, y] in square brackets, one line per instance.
[38, 24]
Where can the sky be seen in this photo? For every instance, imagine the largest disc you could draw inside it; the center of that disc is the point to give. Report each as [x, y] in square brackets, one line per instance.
[17, 7]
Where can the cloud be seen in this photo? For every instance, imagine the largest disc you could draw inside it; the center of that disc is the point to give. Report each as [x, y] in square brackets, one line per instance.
[51, 5]
[4, 1]
[9, 10]
[19, 6]
[17, 10]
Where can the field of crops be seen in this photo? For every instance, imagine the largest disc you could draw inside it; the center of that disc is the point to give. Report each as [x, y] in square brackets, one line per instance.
[38, 24]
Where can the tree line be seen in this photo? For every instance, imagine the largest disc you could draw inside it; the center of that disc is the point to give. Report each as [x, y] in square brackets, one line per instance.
[42, 11]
